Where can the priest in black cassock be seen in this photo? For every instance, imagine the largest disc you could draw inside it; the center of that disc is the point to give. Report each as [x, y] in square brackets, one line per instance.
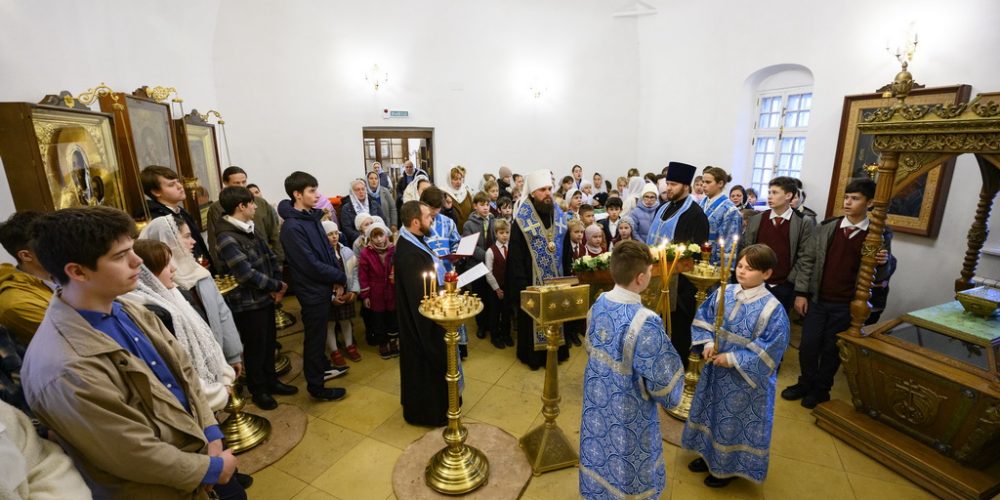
[535, 254]
[680, 220]
[423, 360]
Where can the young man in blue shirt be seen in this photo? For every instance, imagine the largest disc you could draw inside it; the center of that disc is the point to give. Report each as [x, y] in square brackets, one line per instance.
[107, 376]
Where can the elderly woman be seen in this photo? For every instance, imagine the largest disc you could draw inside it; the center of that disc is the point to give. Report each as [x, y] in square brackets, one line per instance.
[358, 203]
[383, 196]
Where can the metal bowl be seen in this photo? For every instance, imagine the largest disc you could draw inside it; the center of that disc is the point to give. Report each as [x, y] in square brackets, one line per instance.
[982, 301]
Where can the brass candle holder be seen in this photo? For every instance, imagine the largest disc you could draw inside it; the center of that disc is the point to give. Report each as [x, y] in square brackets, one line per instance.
[242, 431]
[458, 468]
[546, 446]
[703, 276]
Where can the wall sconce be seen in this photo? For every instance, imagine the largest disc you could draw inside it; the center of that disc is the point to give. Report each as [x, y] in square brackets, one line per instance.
[537, 89]
[376, 77]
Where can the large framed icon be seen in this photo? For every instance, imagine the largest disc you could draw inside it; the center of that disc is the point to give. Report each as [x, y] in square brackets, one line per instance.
[199, 156]
[917, 205]
[60, 157]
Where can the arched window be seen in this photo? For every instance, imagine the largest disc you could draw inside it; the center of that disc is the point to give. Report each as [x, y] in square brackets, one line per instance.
[782, 105]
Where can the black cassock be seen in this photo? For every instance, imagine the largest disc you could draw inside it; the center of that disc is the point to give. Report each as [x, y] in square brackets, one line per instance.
[692, 227]
[519, 277]
[422, 357]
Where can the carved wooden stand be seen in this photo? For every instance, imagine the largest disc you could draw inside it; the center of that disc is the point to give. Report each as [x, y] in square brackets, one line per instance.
[933, 133]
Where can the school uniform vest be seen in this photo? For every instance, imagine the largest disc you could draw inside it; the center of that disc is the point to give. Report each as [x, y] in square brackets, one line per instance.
[777, 237]
[499, 264]
[840, 272]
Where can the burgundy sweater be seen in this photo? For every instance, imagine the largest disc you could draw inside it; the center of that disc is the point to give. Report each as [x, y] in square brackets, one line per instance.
[777, 237]
[840, 272]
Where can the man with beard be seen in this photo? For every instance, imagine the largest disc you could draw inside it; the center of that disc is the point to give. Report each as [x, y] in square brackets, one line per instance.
[423, 360]
[680, 220]
[535, 254]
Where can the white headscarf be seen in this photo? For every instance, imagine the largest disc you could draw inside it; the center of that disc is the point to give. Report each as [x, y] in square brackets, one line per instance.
[410, 193]
[189, 271]
[458, 194]
[360, 207]
[634, 188]
[194, 335]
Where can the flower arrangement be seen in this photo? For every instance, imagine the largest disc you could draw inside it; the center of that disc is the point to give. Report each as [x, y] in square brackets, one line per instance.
[686, 251]
[588, 263]
[602, 262]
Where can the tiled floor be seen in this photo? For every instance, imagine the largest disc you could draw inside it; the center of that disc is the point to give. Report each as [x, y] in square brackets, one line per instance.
[351, 446]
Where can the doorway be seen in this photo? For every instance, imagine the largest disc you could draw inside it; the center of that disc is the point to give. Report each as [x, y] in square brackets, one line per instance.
[391, 147]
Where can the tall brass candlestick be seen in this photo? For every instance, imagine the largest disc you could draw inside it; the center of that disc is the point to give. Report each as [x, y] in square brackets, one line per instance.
[665, 287]
[546, 446]
[724, 273]
[458, 468]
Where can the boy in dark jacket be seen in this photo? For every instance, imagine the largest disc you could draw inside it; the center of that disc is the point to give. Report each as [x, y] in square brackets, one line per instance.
[244, 253]
[165, 196]
[480, 221]
[315, 274]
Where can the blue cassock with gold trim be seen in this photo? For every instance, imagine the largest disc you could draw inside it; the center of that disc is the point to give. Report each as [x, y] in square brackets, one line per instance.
[632, 367]
[733, 408]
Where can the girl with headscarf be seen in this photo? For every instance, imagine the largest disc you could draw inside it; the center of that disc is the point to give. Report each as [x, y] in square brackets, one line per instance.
[342, 311]
[642, 214]
[196, 280]
[156, 287]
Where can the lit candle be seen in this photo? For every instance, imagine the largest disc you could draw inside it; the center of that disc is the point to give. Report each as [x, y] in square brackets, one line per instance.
[732, 252]
[425, 284]
[720, 310]
[434, 279]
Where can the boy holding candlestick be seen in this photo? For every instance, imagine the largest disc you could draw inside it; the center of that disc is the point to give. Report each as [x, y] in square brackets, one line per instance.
[744, 331]
[632, 367]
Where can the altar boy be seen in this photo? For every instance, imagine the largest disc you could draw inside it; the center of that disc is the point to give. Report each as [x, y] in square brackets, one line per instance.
[632, 367]
[733, 407]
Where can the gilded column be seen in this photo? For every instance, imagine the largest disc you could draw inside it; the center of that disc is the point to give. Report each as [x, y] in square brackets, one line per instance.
[873, 243]
[989, 167]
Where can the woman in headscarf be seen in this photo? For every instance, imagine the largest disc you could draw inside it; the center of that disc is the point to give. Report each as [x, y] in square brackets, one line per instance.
[415, 188]
[197, 281]
[383, 198]
[156, 287]
[632, 194]
[460, 193]
[359, 203]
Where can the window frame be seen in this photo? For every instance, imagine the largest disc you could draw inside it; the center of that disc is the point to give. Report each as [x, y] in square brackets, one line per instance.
[778, 135]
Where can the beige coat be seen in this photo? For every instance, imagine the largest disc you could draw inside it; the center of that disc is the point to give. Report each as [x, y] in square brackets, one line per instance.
[127, 433]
